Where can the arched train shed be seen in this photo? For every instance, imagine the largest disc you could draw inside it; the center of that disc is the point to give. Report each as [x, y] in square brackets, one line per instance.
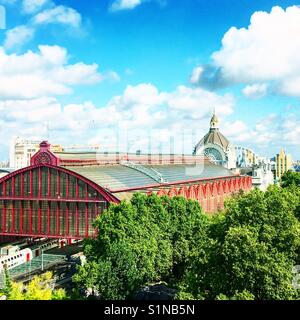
[60, 195]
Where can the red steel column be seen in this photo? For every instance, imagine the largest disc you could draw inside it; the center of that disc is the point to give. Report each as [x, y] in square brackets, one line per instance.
[30, 184]
[4, 217]
[4, 189]
[22, 184]
[77, 197]
[86, 211]
[13, 217]
[48, 217]
[76, 220]
[67, 219]
[58, 183]
[76, 189]
[4, 208]
[86, 220]
[49, 182]
[40, 182]
[13, 186]
[21, 217]
[86, 192]
[39, 218]
[57, 218]
[12, 228]
[96, 209]
[67, 186]
[30, 217]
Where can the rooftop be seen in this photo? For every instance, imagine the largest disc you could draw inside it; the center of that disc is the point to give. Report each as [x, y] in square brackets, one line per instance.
[128, 171]
[114, 177]
[214, 136]
[110, 158]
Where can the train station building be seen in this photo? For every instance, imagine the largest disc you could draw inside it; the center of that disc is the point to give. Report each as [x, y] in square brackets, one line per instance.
[60, 194]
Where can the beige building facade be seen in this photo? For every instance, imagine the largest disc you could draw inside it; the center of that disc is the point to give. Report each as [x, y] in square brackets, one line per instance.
[21, 151]
[284, 163]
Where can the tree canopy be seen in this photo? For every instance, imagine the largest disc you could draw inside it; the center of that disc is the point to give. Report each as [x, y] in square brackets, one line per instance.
[255, 244]
[247, 251]
[148, 239]
[290, 178]
[39, 288]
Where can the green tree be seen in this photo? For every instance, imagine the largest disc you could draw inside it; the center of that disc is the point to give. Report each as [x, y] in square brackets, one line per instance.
[146, 240]
[8, 286]
[290, 178]
[270, 214]
[244, 295]
[39, 288]
[245, 252]
[253, 246]
[114, 276]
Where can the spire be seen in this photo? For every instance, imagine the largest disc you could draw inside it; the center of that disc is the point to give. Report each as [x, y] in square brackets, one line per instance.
[214, 122]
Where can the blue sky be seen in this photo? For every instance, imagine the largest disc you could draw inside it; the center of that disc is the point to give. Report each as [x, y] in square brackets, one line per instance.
[95, 71]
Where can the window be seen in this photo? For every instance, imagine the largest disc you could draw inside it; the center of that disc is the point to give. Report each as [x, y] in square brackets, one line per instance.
[213, 154]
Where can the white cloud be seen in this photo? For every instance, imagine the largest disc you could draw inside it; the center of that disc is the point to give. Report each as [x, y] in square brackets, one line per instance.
[255, 91]
[268, 135]
[112, 76]
[30, 111]
[143, 110]
[32, 6]
[120, 5]
[145, 107]
[16, 37]
[125, 4]
[267, 51]
[238, 132]
[42, 12]
[140, 95]
[266, 123]
[59, 14]
[44, 73]
[196, 75]
[198, 103]
[139, 110]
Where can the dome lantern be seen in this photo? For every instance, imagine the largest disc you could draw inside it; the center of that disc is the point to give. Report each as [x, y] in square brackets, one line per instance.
[214, 121]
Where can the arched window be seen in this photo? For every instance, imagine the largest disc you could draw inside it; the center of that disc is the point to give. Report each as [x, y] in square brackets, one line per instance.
[213, 154]
[46, 200]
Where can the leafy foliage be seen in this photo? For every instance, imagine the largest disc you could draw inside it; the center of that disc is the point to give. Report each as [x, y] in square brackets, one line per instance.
[148, 240]
[255, 244]
[245, 252]
[39, 288]
[244, 295]
[290, 178]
